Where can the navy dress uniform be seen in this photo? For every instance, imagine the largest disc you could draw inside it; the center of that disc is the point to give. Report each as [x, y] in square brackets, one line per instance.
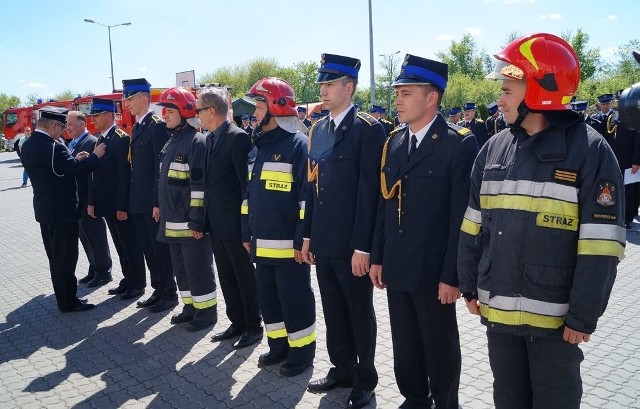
[377, 109]
[454, 115]
[148, 137]
[581, 107]
[476, 125]
[92, 230]
[495, 122]
[425, 188]
[274, 209]
[52, 170]
[343, 166]
[109, 194]
[304, 120]
[606, 128]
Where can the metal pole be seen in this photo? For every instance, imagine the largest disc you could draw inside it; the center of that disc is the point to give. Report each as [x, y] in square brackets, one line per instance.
[390, 82]
[113, 81]
[372, 81]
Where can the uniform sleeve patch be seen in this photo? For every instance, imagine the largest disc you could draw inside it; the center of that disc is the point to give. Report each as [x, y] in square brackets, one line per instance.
[156, 119]
[605, 216]
[605, 194]
[565, 175]
[367, 118]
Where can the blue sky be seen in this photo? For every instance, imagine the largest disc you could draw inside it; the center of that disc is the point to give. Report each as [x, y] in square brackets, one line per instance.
[45, 47]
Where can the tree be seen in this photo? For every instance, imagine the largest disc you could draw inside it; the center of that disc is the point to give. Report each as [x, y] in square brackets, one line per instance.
[7, 101]
[32, 99]
[464, 57]
[65, 95]
[303, 80]
[589, 57]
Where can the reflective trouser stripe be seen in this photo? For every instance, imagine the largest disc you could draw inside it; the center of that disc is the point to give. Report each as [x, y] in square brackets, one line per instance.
[276, 330]
[177, 229]
[205, 301]
[178, 174]
[197, 199]
[303, 337]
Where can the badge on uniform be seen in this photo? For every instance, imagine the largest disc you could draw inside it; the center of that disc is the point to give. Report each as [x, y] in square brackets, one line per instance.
[276, 157]
[565, 175]
[605, 194]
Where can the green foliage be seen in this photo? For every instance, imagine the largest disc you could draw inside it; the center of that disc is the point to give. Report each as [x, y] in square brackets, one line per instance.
[7, 101]
[463, 57]
[589, 57]
[462, 88]
[65, 95]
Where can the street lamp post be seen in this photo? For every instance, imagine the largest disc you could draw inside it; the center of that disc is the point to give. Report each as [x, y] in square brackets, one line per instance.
[390, 70]
[86, 20]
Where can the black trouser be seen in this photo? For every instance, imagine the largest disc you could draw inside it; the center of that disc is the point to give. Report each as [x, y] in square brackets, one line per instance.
[238, 283]
[129, 251]
[631, 201]
[347, 302]
[93, 236]
[289, 310]
[535, 372]
[157, 255]
[426, 348]
[193, 266]
[61, 245]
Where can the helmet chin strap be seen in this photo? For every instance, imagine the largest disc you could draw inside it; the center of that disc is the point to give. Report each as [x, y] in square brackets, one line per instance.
[183, 123]
[523, 111]
[264, 121]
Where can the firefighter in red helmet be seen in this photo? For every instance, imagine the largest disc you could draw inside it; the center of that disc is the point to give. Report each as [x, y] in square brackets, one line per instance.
[182, 213]
[542, 234]
[272, 227]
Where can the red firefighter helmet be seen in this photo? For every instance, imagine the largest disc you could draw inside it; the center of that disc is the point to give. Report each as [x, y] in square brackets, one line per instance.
[180, 99]
[547, 63]
[277, 93]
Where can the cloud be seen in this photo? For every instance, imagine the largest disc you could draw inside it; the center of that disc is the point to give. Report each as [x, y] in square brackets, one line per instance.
[608, 53]
[444, 37]
[474, 31]
[612, 17]
[142, 69]
[555, 16]
[34, 85]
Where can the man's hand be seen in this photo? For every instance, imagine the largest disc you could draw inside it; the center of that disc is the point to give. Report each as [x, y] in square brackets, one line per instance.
[375, 273]
[100, 150]
[473, 306]
[122, 216]
[575, 337]
[360, 264]
[634, 169]
[307, 255]
[297, 256]
[448, 294]
[247, 246]
[156, 214]
[197, 234]
[91, 211]
[82, 156]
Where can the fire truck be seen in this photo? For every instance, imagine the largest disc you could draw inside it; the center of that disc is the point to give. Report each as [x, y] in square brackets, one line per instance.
[16, 120]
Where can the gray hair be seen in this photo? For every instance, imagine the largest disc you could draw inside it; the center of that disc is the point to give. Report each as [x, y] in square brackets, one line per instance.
[215, 97]
[77, 115]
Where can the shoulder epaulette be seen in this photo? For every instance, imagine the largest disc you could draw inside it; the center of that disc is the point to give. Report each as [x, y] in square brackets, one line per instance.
[460, 130]
[367, 118]
[121, 133]
[397, 130]
[386, 122]
[480, 120]
[156, 118]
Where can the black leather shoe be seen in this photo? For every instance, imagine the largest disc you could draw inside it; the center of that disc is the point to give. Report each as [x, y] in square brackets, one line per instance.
[198, 325]
[120, 289]
[359, 398]
[248, 338]
[86, 279]
[231, 332]
[181, 318]
[288, 370]
[81, 307]
[98, 282]
[270, 359]
[163, 305]
[326, 384]
[131, 293]
[148, 302]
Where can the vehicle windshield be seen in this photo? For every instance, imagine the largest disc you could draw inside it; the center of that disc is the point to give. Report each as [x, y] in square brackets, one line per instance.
[10, 118]
[85, 107]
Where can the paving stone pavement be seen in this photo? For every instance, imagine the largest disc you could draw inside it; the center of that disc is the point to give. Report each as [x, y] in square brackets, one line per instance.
[119, 356]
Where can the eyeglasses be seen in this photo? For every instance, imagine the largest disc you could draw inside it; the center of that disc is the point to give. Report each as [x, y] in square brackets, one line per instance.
[198, 110]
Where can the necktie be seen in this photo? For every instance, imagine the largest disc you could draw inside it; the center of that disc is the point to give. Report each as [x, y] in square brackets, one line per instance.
[210, 140]
[414, 145]
[332, 126]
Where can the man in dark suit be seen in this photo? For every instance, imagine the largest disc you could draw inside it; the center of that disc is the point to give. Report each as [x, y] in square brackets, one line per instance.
[475, 125]
[225, 180]
[425, 184]
[147, 139]
[626, 146]
[302, 115]
[109, 198]
[605, 127]
[55, 202]
[495, 122]
[344, 162]
[93, 231]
